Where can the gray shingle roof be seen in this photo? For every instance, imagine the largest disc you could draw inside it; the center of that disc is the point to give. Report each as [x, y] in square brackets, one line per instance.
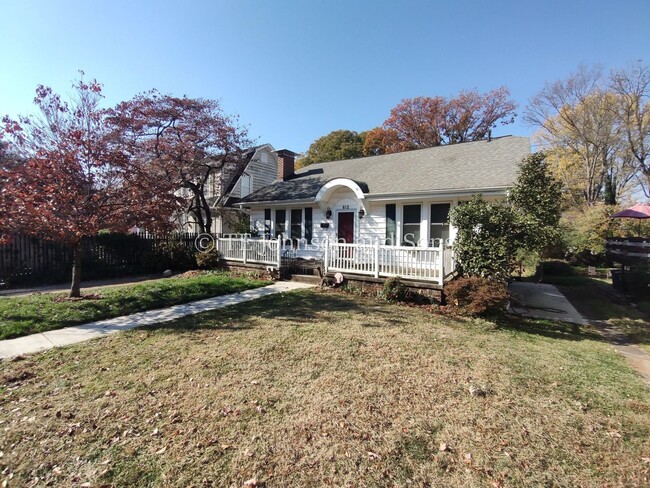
[470, 165]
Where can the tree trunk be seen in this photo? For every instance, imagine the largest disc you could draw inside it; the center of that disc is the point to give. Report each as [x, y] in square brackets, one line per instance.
[75, 289]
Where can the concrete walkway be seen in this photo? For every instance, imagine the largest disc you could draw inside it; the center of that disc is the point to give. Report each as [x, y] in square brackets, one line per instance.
[638, 358]
[545, 301]
[79, 333]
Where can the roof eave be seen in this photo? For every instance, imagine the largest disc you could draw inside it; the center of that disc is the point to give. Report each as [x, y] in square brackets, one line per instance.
[275, 202]
[455, 192]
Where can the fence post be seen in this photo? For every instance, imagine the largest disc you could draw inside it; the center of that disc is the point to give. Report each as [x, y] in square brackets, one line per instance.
[327, 255]
[376, 258]
[442, 262]
[279, 255]
[245, 247]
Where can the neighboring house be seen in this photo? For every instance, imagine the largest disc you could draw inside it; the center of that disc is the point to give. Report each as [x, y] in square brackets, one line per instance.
[400, 199]
[256, 169]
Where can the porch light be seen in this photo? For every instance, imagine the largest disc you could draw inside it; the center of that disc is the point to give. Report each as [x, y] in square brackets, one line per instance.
[362, 212]
[328, 213]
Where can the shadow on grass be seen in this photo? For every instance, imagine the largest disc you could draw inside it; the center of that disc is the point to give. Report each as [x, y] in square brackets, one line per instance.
[294, 309]
[299, 308]
[605, 308]
[547, 328]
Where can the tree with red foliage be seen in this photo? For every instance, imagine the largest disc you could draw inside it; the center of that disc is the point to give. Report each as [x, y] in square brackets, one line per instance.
[421, 122]
[191, 142]
[69, 179]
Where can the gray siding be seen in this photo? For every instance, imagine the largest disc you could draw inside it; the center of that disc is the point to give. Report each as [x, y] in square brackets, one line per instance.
[262, 173]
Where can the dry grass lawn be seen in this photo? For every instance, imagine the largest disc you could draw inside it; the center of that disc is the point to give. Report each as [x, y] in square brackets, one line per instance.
[319, 389]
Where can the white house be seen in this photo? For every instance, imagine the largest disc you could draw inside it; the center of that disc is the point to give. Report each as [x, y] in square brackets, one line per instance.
[382, 215]
[399, 199]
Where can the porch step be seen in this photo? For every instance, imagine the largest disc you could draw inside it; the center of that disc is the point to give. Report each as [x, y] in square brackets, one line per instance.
[306, 279]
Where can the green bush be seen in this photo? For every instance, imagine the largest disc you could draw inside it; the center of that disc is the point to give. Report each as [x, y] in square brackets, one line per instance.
[170, 254]
[475, 295]
[555, 268]
[488, 238]
[209, 259]
[394, 290]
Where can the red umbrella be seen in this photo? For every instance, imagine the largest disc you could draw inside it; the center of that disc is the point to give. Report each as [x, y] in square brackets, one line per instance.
[638, 211]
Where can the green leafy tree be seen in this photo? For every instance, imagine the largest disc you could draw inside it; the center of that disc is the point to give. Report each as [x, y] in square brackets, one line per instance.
[536, 199]
[492, 234]
[335, 146]
[585, 229]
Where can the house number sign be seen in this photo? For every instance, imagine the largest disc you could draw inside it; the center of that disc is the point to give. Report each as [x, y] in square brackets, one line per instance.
[346, 207]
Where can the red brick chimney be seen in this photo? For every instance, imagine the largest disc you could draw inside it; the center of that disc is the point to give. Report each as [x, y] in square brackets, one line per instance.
[286, 164]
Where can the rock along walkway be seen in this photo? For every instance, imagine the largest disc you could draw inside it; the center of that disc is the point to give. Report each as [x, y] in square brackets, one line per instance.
[79, 333]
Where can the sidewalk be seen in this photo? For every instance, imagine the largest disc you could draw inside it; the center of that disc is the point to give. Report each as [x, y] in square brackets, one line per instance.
[79, 333]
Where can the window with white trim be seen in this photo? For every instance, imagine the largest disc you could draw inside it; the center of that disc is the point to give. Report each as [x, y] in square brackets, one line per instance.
[296, 225]
[439, 224]
[280, 222]
[411, 218]
[267, 223]
[391, 224]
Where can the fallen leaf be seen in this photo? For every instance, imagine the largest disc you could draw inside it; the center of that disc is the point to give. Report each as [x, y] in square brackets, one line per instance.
[443, 447]
[160, 451]
[251, 482]
[468, 458]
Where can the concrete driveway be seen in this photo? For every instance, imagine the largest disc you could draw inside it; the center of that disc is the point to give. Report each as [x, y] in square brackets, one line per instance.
[542, 301]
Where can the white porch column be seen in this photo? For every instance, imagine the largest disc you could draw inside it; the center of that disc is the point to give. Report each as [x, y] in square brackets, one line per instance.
[327, 255]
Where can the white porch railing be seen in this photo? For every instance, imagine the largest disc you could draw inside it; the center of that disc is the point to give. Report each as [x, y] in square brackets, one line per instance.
[248, 250]
[418, 263]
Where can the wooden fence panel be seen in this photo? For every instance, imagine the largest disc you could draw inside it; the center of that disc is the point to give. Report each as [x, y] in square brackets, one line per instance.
[27, 260]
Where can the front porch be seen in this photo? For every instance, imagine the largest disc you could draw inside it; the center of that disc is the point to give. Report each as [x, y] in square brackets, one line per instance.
[432, 265]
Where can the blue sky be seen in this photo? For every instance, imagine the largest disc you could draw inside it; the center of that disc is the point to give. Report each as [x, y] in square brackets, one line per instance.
[296, 70]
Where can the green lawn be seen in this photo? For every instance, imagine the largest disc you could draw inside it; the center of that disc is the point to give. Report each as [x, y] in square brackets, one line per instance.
[40, 312]
[319, 388]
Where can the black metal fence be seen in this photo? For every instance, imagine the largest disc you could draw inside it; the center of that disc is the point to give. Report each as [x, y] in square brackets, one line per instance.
[28, 260]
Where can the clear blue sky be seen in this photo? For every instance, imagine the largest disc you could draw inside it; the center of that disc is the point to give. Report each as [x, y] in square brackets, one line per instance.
[296, 70]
